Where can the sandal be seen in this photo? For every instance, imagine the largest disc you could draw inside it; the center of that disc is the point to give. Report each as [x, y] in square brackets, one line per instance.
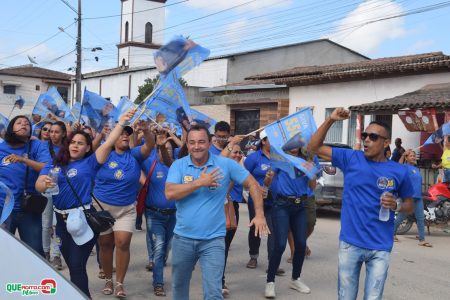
[101, 274]
[307, 252]
[159, 291]
[108, 289]
[396, 239]
[425, 244]
[120, 293]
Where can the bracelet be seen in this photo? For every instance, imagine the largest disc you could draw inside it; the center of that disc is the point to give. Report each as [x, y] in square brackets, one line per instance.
[122, 125]
[399, 205]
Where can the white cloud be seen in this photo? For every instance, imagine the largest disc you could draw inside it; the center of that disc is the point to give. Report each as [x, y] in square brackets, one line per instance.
[224, 4]
[368, 38]
[420, 46]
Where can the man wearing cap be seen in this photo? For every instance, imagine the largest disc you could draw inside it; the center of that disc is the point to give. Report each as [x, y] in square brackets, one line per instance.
[199, 183]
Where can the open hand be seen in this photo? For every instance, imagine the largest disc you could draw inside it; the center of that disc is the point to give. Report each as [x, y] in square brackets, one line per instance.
[210, 179]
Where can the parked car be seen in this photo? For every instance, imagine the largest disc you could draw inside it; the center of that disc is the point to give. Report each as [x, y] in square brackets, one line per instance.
[328, 194]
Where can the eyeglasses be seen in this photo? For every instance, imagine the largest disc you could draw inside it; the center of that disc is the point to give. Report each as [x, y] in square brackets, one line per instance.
[372, 136]
[45, 129]
[237, 152]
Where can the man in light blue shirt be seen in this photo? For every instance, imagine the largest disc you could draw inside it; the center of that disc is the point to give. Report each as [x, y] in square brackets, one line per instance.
[199, 183]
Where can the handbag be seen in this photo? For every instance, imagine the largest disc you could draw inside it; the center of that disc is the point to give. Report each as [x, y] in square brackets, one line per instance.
[230, 215]
[99, 221]
[33, 203]
[143, 191]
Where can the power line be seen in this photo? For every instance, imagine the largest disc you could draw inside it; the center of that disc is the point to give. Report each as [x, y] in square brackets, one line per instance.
[69, 6]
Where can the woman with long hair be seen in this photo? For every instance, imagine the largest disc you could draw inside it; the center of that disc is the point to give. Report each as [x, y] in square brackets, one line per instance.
[409, 159]
[57, 136]
[116, 186]
[76, 169]
[17, 154]
[44, 132]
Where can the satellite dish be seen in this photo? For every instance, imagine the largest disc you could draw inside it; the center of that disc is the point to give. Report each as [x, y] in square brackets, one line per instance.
[31, 59]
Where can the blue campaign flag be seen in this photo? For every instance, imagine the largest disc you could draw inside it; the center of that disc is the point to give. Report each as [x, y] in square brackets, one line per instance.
[202, 119]
[8, 202]
[292, 132]
[3, 124]
[19, 102]
[97, 110]
[123, 106]
[51, 102]
[438, 135]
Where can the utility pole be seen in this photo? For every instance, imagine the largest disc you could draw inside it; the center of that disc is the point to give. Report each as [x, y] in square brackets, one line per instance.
[78, 68]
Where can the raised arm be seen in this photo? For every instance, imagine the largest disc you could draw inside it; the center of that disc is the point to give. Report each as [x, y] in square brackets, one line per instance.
[315, 144]
[149, 141]
[105, 149]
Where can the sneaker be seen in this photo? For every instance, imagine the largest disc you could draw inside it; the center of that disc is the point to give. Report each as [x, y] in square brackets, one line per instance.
[159, 291]
[252, 263]
[270, 290]
[57, 263]
[225, 291]
[298, 285]
[138, 228]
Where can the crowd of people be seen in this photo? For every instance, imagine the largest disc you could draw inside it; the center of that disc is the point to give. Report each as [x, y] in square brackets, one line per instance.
[195, 177]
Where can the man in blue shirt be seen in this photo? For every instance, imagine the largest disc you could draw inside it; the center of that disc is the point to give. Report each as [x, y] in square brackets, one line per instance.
[371, 182]
[199, 183]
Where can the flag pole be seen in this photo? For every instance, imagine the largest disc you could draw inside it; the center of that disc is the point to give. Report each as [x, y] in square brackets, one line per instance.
[254, 131]
[143, 103]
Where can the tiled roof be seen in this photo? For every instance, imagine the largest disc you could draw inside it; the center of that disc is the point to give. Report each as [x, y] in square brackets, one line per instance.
[432, 95]
[35, 72]
[362, 70]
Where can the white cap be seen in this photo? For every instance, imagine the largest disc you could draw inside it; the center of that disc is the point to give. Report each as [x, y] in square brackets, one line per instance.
[78, 227]
[262, 134]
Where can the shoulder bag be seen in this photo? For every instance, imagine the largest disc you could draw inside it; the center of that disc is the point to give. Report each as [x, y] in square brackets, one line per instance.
[143, 191]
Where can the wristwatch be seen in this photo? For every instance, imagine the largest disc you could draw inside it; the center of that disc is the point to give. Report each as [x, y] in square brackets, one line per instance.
[399, 205]
[229, 148]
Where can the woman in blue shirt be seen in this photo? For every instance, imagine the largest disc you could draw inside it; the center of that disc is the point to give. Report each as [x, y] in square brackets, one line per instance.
[288, 212]
[75, 161]
[116, 186]
[17, 153]
[410, 161]
[159, 212]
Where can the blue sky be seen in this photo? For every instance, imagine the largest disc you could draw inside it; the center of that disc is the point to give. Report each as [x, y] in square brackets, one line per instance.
[26, 24]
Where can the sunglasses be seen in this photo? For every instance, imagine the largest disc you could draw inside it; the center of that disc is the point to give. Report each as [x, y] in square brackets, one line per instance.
[45, 129]
[372, 136]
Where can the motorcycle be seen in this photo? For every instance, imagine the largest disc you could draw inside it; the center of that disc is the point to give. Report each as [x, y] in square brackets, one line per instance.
[436, 203]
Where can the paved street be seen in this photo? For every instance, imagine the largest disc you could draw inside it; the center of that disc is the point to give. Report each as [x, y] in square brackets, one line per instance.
[415, 272]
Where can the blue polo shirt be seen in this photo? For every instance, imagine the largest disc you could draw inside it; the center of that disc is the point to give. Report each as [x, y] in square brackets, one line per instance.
[13, 174]
[117, 181]
[236, 193]
[156, 188]
[258, 164]
[81, 174]
[416, 180]
[283, 185]
[214, 150]
[364, 182]
[200, 215]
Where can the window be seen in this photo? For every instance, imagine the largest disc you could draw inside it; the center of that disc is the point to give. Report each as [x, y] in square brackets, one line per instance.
[334, 135]
[352, 129]
[148, 33]
[9, 89]
[63, 91]
[126, 31]
[386, 119]
[38, 87]
[123, 62]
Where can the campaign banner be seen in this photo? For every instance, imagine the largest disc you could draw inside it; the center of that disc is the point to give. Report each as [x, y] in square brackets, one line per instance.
[51, 103]
[439, 134]
[419, 119]
[200, 118]
[96, 110]
[4, 122]
[8, 203]
[123, 106]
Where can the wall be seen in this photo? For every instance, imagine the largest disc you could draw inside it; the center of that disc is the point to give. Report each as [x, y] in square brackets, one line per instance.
[308, 54]
[358, 92]
[217, 112]
[155, 16]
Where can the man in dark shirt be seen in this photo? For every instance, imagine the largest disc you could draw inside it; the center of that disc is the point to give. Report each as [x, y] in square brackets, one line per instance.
[398, 151]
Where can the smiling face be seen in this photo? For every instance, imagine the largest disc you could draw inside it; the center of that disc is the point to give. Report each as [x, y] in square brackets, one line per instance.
[45, 132]
[78, 147]
[236, 154]
[198, 146]
[411, 158]
[375, 142]
[22, 128]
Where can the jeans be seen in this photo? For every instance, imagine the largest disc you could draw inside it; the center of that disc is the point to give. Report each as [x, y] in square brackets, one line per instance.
[255, 241]
[160, 232]
[29, 226]
[420, 218]
[229, 238]
[49, 244]
[148, 240]
[185, 254]
[351, 259]
[287, 215]
[76, 257]
[446, 176]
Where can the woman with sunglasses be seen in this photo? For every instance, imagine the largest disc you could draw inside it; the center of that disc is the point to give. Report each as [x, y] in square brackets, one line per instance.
[44, 133]
[409, 159]
[235, 196]
[57, 136]
[116, 186]
[76, 169]
[17, 154]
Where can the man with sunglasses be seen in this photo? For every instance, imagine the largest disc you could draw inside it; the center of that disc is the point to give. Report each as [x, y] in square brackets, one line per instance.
[370, 181]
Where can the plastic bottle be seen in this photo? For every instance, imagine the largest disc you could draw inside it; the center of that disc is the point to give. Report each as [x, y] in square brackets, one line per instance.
[53, 174]
[384, 212]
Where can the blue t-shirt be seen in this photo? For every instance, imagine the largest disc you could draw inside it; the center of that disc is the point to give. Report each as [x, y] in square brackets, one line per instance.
[416, 180]
[236, 193]
[258, 164]
[200, 215]
[284, 185]
[214, 150]
[364, 182]
[81, 174]
[117, 181]
[13, 174]
[156, 187]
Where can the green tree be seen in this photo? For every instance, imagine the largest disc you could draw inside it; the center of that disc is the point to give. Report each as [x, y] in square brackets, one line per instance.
[148, 86]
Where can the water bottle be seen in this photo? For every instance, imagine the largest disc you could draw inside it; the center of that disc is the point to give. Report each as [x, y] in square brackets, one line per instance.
[384, 212]
[53, 174]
